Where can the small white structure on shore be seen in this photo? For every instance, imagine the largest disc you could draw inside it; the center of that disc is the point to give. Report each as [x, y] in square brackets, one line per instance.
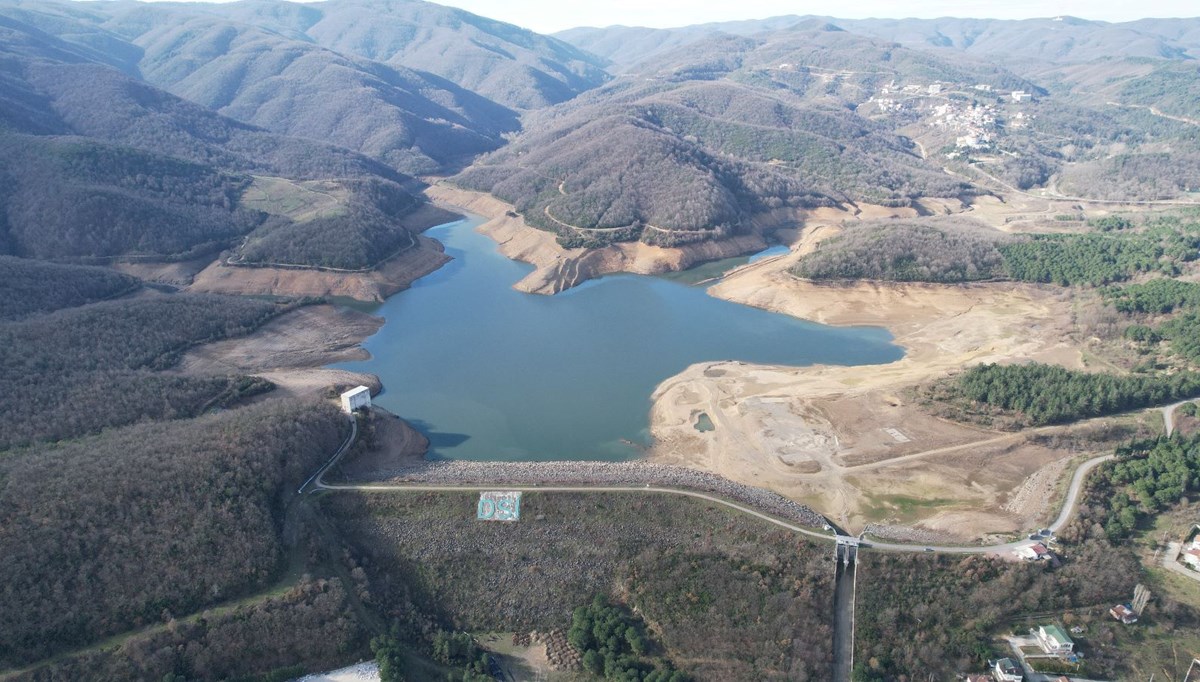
[356, 399]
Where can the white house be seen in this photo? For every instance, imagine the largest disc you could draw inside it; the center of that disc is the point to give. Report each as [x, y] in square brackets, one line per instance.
[1006, 670]
[1054, 641]
[1021, 96]
[1191, 557]
[358, 398]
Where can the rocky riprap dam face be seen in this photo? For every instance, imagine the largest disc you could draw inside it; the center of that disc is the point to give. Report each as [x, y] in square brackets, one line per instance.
[490, 373]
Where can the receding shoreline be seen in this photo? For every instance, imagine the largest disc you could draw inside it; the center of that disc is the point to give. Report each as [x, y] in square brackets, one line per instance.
[558, 268]
[941, 328]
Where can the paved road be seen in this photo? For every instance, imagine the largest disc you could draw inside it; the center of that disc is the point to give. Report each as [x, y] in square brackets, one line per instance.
[404, 487]
[1170, 561]
[314, 481]
[1069, 505]
[1076, 487]
[1169, 416]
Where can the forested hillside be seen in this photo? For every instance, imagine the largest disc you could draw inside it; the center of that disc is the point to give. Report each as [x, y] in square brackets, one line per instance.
[120, 530]
[98, 165]
[415, 122]
[707, 136]
[958, 250]
[945, 250]
[31, 287]
[1099, 124]
[74, 198]
[1173, 87]
[362, 232]
[731, 598]
[505, 63]
[1018, 42]
[85, 86]
[80, 370]
[308, 627]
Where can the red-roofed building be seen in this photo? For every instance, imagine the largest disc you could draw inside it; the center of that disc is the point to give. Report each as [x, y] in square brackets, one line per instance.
[1034, 552]
[1123, 613]
[1191, 557]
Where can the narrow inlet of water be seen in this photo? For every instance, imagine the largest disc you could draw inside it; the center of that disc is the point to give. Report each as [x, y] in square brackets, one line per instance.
[490, 373]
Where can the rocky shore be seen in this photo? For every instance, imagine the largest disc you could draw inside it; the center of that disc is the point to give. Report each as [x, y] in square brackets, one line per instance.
[604, 474]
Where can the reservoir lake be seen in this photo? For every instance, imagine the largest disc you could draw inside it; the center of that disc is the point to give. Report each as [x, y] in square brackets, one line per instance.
[490, 373]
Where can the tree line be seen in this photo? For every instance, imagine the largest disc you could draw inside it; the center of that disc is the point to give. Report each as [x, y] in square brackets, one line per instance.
[943, 251]
[77, 199]
[112, 532]
[1091, 259]
[1158, 296]
[1040, 394]
[615, 645]
[1148, 302]
[1148, 477]
[951, 250]
[32, 287]
[361, 234]
[79, 370]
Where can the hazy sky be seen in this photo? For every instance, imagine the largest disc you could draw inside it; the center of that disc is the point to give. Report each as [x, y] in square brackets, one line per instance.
[554, 15]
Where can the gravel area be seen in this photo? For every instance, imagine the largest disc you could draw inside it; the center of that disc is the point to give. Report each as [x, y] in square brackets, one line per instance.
[911, 535]
[363, 672]
[604, 473]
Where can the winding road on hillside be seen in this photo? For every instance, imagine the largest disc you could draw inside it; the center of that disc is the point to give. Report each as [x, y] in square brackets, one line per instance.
[1157, 112]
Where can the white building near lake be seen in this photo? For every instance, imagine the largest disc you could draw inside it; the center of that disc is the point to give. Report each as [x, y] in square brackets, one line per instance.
[356, 399]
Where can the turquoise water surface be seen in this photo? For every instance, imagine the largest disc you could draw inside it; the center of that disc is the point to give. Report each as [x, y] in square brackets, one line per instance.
[489, 373]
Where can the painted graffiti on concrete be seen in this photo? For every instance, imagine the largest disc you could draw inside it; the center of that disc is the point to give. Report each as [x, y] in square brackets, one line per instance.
[499, 506]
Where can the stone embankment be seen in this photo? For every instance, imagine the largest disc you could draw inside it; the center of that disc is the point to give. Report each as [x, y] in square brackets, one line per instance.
[908, 534]
[605, 474]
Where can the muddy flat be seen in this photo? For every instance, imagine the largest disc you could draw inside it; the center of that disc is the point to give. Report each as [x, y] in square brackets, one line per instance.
[847, 439]
[292, 351]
